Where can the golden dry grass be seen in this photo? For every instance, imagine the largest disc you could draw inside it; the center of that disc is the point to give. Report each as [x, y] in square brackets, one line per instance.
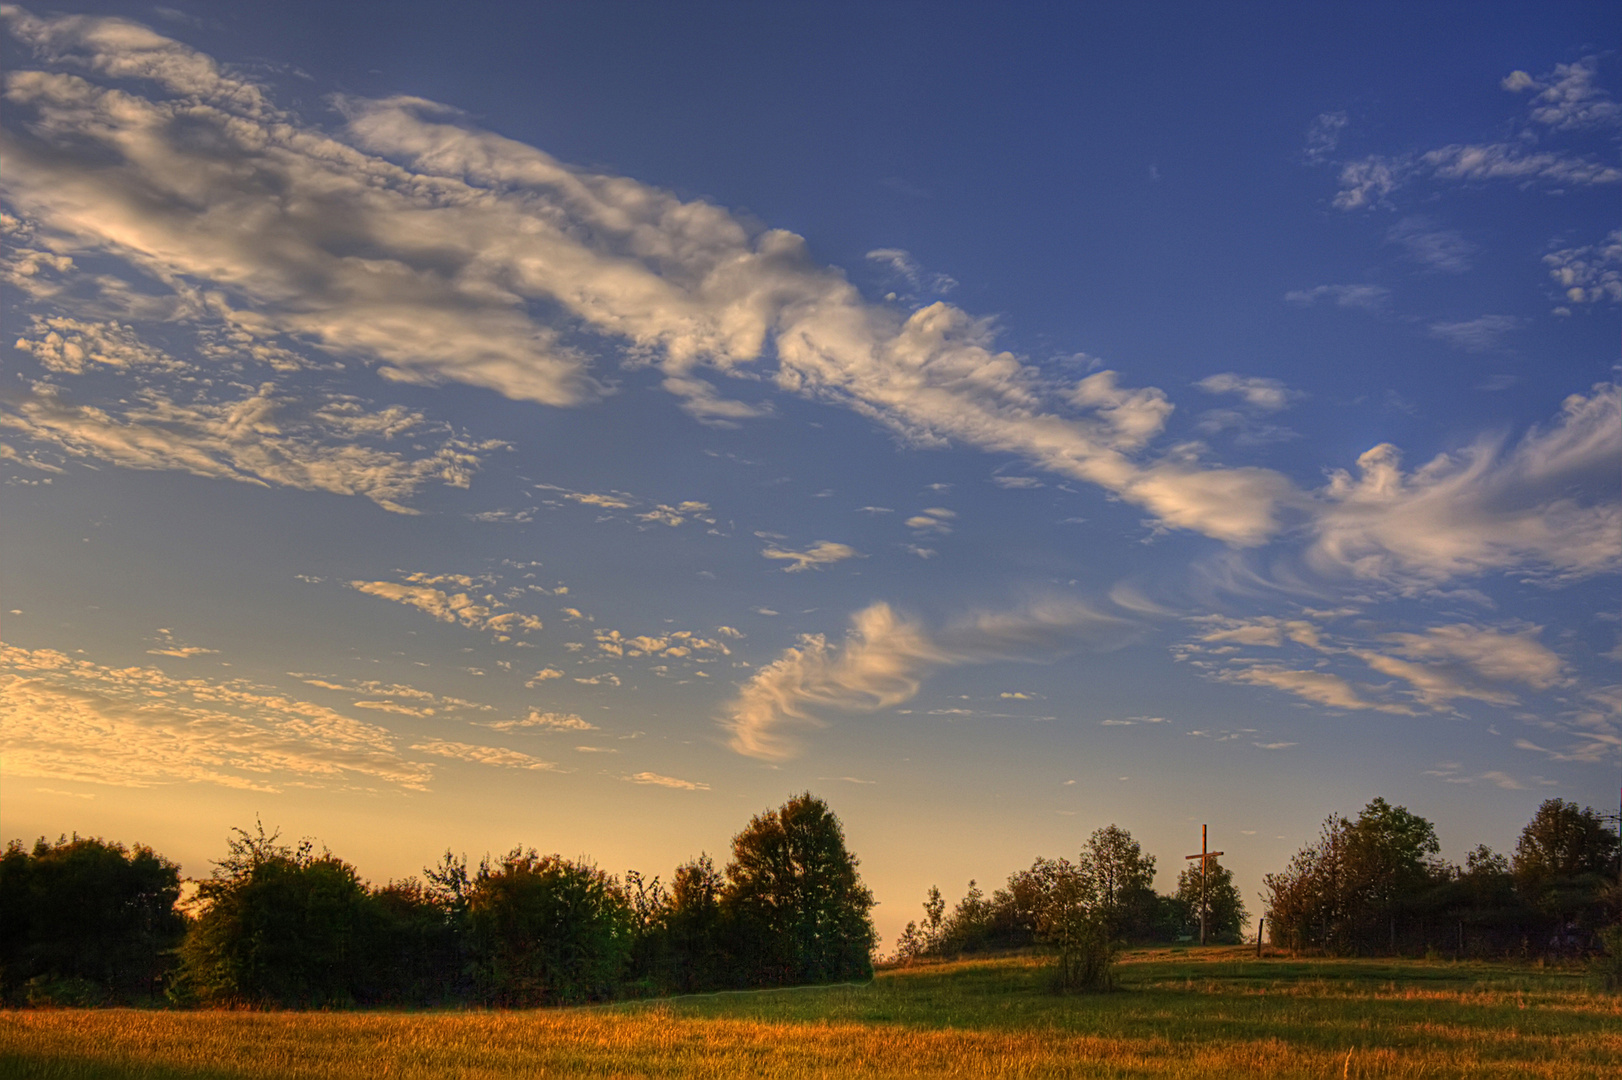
[1208, 1015]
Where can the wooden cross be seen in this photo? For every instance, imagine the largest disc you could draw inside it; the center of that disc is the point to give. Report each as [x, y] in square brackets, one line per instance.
[1205, 856]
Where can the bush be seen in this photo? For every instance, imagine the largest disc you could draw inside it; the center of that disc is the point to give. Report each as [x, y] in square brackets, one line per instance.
[1072, 925]
[546, 931]
[282, 926]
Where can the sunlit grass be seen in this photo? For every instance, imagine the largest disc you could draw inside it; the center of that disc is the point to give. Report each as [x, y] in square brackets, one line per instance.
[1194, 1013]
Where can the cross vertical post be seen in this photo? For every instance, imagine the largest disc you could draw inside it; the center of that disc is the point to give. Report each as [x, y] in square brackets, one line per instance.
[1205, 856]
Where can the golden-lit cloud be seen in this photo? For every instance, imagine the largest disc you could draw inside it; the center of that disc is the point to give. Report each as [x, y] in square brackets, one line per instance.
[71, 719]
[666, 781]
[477, 613]
[541, 721]
[822, 553]
[483, 755]
[254, 440]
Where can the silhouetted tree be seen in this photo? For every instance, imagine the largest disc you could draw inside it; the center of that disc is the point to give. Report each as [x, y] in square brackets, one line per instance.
[411, 946]
[796, 907]
[84, 920]
[699, 955]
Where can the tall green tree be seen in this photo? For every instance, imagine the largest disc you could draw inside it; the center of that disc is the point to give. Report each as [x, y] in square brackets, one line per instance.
[698, 950]
[1225, 914]
[1565, 867]
[1122, 878]
[795, 903]
[1064, 906]
[1359, 887]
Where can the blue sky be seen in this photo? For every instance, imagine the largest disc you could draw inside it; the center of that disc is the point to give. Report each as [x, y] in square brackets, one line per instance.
[587, 425]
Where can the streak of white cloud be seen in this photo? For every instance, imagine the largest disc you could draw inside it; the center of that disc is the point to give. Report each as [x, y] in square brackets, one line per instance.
[883, 660]
[901, 264]
[1504, 657]
[659, 780]
[1365, 297]
[1481, 334]
[1548, 505]
[1269, 395]
[1319, 687]
[541, 721]
[1439, 249]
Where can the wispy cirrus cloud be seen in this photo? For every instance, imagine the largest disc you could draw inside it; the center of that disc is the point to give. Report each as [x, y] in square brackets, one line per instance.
[1364, 297]
[1481, 334]
[456, 243]
[1415, 672]
[1546, 504]
[1435, 248]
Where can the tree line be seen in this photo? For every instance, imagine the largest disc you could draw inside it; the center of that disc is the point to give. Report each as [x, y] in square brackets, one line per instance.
[86, 922]
[1371, 885]
[1376, 884]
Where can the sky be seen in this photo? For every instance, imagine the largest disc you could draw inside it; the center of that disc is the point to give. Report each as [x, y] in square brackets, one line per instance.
[587, 426]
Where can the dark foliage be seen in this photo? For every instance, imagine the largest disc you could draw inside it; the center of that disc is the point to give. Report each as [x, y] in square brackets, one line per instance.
[281, 926]
[543, 930]
[83, 921]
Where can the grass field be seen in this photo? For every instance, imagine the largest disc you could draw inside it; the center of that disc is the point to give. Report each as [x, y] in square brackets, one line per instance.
[1194, 1013]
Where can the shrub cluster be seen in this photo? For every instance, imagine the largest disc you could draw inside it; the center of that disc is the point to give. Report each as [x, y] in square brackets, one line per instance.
[1081, 911]
[85, 922]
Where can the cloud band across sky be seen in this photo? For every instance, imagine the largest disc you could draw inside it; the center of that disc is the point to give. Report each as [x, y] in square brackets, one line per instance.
[417, 243]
